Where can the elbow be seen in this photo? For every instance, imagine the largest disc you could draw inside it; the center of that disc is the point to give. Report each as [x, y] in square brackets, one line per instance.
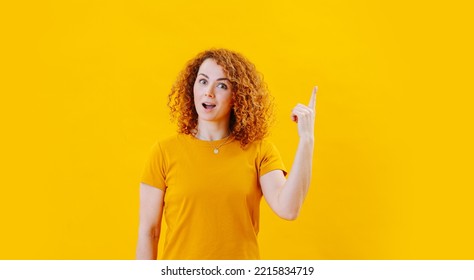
[289, 215]
[149, 231]
[287, 212]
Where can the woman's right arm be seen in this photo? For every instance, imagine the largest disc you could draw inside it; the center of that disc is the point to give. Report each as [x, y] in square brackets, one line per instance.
[151, 209]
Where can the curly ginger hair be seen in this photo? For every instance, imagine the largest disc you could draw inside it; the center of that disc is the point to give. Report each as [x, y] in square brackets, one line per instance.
[252, 109]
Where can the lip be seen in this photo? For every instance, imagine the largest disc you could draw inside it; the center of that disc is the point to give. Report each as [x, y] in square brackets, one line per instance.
[208, 106]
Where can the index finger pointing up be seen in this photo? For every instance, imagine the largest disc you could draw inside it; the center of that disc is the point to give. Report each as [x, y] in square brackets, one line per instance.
[312, 100]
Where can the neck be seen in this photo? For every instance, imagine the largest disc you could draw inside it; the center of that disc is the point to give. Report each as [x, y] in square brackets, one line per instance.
[211, 131]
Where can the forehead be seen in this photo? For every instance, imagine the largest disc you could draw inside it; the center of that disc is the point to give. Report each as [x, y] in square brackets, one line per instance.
[212, 69]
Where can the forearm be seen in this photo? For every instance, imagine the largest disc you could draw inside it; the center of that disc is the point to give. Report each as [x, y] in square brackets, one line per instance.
[147, 245]
[286, 196]
[293, 192]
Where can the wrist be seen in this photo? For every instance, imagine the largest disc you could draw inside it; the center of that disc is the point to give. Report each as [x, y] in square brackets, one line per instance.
[307, 140]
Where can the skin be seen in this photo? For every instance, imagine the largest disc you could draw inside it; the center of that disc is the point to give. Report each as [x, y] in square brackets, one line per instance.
[285, 196]
[212, 87]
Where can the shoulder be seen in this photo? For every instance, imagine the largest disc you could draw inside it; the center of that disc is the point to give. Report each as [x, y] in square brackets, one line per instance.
[169, 141]
[174, 144]
[268, 157]
[261, 147]
[265, 145]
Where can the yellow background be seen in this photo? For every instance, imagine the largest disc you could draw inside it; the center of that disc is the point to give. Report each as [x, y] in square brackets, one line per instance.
[83, 97]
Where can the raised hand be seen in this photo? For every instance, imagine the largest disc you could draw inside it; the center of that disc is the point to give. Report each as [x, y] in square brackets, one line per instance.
[304, 116]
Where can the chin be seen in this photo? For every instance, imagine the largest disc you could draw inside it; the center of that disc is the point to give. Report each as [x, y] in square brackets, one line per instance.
[210, 118]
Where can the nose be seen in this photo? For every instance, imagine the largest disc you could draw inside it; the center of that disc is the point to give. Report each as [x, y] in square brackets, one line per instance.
[209, 92]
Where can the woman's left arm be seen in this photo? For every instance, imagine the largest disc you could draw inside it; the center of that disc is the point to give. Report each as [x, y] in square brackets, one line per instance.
[286, 196]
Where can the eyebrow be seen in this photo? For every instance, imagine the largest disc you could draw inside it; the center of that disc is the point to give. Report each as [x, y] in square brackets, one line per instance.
[220, 79]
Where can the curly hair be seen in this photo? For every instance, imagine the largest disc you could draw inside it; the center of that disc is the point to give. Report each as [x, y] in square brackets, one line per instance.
[252, 109]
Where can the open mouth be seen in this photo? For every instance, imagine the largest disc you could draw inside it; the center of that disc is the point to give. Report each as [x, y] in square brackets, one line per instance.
[208, 105]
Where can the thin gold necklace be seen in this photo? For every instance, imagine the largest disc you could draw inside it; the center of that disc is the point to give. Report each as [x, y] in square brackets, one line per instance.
[216, 149]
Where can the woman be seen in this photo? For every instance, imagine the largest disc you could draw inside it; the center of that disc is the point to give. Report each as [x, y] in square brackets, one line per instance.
[207, 181]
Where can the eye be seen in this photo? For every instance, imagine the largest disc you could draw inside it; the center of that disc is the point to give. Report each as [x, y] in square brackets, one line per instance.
[202, 81]
[222, 86]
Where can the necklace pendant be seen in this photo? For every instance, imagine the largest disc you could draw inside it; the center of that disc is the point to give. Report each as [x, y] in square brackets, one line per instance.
[216, 151]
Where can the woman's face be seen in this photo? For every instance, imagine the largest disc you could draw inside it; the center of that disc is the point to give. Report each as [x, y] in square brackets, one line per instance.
[212, 93]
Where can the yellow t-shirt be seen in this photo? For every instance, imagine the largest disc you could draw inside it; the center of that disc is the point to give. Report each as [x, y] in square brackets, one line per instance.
[212, 201]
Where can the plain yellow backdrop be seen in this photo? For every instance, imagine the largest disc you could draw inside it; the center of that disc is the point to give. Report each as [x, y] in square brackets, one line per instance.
[83, 97]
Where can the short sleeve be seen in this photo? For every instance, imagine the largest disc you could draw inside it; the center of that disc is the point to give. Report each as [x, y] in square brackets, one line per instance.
[154, 173]
[270, 159]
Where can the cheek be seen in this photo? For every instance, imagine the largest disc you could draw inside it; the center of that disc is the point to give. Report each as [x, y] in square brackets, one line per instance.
[196, 93]
[194, 90]
[195, 97]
